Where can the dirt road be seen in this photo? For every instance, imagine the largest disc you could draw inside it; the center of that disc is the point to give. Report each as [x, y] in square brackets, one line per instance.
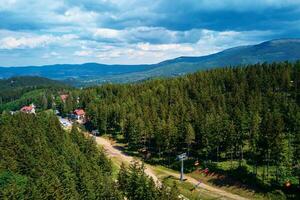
[112, 151]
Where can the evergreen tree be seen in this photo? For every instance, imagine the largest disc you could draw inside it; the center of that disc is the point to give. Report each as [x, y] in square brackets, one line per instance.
[190, 136]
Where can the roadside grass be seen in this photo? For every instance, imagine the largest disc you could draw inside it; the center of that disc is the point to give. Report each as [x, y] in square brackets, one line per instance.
[215, 180]
[220, 181]
[185, 188]
[115, 169]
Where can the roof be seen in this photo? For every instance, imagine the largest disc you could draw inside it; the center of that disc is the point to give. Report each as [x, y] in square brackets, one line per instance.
[26, 108]
[79, 112]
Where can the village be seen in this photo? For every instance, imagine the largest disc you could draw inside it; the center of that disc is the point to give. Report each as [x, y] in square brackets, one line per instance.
[76, 116]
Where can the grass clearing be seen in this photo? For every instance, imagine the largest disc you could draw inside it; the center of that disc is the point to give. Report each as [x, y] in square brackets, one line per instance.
[184, 187]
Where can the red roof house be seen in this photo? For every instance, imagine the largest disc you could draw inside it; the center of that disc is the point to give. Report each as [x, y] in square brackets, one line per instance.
[80, 114]
[28, 109]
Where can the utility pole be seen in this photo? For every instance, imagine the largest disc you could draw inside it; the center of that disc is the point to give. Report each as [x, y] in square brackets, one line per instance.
[181, 171]
[181, 157]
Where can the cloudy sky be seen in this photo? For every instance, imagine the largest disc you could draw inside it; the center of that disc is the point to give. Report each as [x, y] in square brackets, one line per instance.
[39, 32]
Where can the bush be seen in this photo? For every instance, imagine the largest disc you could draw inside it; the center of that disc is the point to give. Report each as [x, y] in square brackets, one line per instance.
[276, 195]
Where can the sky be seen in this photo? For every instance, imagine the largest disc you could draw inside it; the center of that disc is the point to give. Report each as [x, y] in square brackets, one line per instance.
[43, 32]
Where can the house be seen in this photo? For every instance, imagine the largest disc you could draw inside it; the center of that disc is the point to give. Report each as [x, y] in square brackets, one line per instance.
[80, 114]
[28, 109]
[64, 97]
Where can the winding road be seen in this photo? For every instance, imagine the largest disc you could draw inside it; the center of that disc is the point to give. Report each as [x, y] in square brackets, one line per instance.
[113, 151]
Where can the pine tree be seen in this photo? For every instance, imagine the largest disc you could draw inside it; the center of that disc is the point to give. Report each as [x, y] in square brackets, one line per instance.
[190, 136]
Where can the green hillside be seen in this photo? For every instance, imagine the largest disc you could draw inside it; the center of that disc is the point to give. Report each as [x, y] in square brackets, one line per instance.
[13, 88]
[249, 116]
[19, 91]
[39, 160]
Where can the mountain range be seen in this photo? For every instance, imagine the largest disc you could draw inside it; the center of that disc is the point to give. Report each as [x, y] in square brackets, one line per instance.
[94, 73]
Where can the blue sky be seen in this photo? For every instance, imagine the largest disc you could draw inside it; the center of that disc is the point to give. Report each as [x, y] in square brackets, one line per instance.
[40, 32]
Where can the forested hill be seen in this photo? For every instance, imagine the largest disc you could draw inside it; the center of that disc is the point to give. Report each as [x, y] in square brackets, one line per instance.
[39, 160]
[244, 114]
[93, 73]
[29, 81]
[15, 88]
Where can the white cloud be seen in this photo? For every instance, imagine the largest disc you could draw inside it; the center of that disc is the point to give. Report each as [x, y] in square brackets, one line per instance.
[8, 4]
[110, 55]
[142, 34]
[83, 53]
[214, 41]
[128, 47]
[24, 42]
[136, 31]
[52, 54]
[165, 47]
[76, 15]
[128, 52]
[107, 33]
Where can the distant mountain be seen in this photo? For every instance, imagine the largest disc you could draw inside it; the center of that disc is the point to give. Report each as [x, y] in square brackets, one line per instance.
[93, 73]
[270, 51]
[72, 71]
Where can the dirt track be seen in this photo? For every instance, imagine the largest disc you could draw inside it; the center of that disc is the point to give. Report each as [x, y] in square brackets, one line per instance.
[115, 152]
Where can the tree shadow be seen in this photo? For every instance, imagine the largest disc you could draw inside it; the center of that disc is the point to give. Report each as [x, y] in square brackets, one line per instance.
[238, 178]
[126, 151]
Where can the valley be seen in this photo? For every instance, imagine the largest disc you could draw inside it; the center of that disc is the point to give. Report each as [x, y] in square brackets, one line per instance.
[149, 100]
[90, 74]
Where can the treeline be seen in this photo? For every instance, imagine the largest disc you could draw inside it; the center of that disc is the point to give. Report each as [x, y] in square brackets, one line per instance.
[39, 160]
[250, 114]
[136, 185]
